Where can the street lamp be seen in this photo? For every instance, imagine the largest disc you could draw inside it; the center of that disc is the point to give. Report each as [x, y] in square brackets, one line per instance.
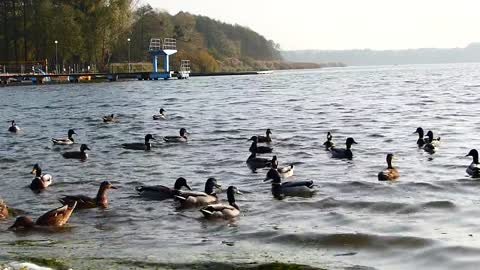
[56, 56]
[129, 70]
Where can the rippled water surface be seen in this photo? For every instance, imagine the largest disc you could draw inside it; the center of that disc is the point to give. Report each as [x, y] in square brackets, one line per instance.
[428, 219]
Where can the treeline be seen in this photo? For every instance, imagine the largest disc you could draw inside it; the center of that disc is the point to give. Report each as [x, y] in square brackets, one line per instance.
[95, 33]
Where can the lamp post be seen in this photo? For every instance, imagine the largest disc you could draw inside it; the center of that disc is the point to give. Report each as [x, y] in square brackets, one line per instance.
[129, 70]
[56, 56]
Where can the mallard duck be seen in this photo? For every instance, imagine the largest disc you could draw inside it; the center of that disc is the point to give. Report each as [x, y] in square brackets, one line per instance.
[3, 210]
[254, 148]
[41, 181]
[421, 140]
[284, 172]
[109, 118]
[390, 173]
[474, 169]
[140, 146]
[181, 138]
[77, 154]
[266, 138]
[255, 162]
[54, 218]
[225, 211]
[163, 192]
[343, 153]
[14, 128]
[431, 144]
[192, 198]
[85, 202]
[160, 115]
[328, 143]
[65, 141]
[296, 188]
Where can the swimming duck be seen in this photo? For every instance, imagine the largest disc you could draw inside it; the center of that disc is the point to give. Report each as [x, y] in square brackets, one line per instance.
[85, 202]
[41, 181]
[390, 173]
[160, 116]
[255, 162]
[54, 218]
[474, 169]
[192, 198]
[265, 139]
[181, 138]
[296, 188]
[3, 210]
[421, 140]
[77, 154]
[109, 118]
[430, 143]
[344, 153]
[140, 146]
[65, 141]
[163, 192]
[284, 172]
[225, 211]
[14, 128]
[258, 149]
[328, 143]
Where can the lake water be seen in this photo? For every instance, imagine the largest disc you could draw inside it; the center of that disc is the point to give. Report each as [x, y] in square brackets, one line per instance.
[428, 219]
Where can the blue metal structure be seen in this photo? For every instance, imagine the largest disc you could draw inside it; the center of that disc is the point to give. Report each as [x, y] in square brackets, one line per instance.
[163, 48]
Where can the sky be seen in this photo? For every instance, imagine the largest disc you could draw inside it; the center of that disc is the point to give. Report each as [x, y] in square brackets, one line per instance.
[346, 24]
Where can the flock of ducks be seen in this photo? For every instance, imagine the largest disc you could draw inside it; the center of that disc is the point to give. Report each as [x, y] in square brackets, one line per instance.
[207, 200]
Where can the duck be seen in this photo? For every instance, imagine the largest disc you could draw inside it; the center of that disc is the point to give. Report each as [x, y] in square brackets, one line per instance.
[53, 218]
[296, 188]
[192, 198]
[328, 143]
[225, 211]
[344, 153]
[176, 139]
[77, 154]
[284, 172]
[431, 144]
[266, 138]
[254, 148]
[160, 115]
[147, 146]
[65, 141]
[85, 202]
[3, 210]
[14, 128]
[255, 162]
[421, 140]
[390, 173]
[474, 169]
[162, 192]
[41, 181]
[109, 118]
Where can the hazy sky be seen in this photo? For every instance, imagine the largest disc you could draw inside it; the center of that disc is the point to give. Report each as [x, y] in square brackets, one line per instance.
[346, 24]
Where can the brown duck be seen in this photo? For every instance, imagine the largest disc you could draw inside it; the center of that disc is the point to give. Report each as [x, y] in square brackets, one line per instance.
[3, 210]
[85, 202]
[53, 218]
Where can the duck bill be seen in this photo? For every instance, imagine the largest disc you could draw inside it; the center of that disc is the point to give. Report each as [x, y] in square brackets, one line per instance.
[218, 186]
[267, 180]
[34, 171]
[239, 192]
[113, 187]
[188, 187]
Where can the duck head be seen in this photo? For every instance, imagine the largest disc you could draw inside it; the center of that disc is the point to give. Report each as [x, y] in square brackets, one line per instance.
[161, 111]
[183, 132]
[420, 132]
[329, 136]
[473, 153]
[22, 223]
[37, 170]
[181, 182]
[274, 162]
[389, 160]
[13, 123]
[210, 185]
[149, 137]
[254, 139]
[83, 148]
[268, 132]
[70, 133]
[107, 185]
[430, 136]
[273, 175]
[349, 142]
[231, 191]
